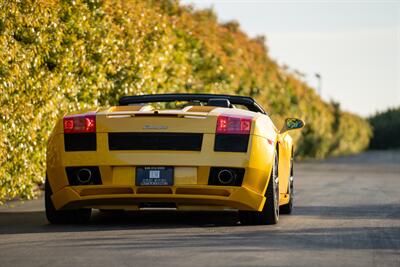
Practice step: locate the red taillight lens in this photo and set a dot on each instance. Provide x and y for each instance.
(81, 123)
(233, 125)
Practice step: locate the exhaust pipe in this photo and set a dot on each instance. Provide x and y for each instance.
(84, 175)
(226, 176)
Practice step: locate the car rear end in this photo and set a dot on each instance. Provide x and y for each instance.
(134, 157)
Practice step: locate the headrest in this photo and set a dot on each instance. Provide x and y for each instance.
(219, 102)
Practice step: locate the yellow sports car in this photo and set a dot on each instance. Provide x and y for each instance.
(172, 151)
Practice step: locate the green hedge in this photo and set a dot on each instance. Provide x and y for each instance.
(386, 129)
(60, 56)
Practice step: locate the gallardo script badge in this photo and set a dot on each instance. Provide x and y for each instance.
(155, 127)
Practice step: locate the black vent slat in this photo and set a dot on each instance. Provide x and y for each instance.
(231, 142)
(155, 141)
(80, 142)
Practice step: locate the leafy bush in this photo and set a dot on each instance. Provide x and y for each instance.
(386, 129)
(58, 56)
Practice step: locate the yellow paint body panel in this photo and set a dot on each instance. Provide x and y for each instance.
(191, 168)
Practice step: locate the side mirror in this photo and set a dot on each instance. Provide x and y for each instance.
(292, 124)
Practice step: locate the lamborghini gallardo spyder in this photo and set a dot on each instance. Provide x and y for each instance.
(187, 152)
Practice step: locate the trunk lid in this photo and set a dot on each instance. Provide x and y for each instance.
(142, 119)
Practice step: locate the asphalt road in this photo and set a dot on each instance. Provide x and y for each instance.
(347, 214)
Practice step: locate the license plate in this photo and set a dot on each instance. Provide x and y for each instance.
(154, 175)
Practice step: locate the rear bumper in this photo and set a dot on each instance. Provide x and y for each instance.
(196, 197)
(191, 189)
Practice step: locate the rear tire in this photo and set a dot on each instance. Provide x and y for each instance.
(270, 212)
(288, 208)
(54, 216)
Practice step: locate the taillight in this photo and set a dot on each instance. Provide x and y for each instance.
(233, 125)
(81, 123)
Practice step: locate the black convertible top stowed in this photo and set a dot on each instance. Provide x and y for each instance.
(246, 101)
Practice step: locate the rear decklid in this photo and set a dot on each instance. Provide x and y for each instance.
(145, 119)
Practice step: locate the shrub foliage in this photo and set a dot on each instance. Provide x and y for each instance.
(58, 56)
(386, 129)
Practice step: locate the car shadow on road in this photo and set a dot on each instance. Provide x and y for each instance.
(35, 222)
(14, 222)
(155, 231)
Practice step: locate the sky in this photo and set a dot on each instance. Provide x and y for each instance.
(353, 45)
